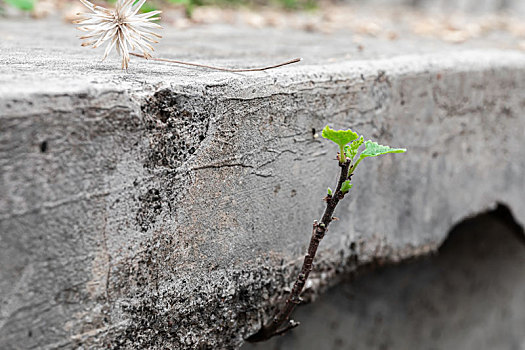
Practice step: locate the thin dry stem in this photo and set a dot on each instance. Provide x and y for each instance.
(295, 60)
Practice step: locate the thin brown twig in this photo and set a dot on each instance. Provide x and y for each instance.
(295, 60)
(275, 326)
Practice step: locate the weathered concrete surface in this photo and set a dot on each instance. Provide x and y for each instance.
(471, 296)
(168, 207)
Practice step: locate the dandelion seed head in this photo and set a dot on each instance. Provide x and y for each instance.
(122, 28)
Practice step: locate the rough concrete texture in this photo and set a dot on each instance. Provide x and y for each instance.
(168, 207)
(471, 296)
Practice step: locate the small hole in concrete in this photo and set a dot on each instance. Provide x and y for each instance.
(43, 146)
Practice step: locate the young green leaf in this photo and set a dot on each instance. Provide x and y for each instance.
(341, 137)
(351, 150)
(373, 149)
(329, 191)
(346, 186)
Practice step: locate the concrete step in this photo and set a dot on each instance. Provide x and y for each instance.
(170, 207)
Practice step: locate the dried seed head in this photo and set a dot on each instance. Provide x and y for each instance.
(123, 28)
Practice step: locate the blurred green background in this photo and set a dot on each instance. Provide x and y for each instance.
(189, 5)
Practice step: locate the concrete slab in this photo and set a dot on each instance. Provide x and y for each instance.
(168, 207)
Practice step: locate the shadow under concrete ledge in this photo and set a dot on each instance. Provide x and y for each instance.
(471, 295)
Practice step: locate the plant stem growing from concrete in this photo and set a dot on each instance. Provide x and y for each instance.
(277, 325)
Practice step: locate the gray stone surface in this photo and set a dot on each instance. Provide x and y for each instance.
(168, 207)
(470, 296)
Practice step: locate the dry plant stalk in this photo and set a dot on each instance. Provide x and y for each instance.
(124, 29)
(295, 60)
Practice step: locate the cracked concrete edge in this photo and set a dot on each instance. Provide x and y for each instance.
(253, 85)
(116, 234)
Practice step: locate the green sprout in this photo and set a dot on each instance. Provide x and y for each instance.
(341, 137)
(351, 150)
(346, 186)
(349, 143)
